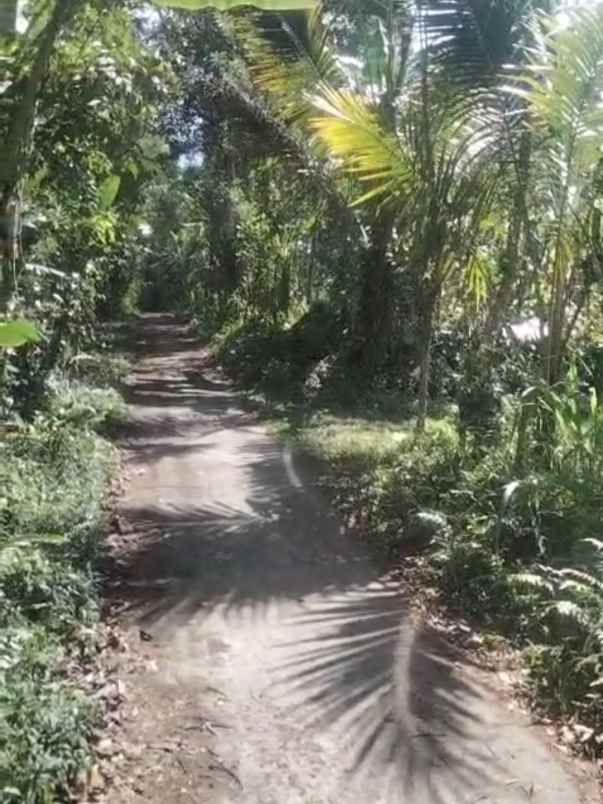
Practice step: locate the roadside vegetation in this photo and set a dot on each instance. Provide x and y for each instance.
(83, 155)
(398, 216)
(386, 219)
(54, 479)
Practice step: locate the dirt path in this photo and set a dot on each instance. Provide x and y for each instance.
(280, 669)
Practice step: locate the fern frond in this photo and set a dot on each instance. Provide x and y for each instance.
(529, 580)
(569, 610)
(585, 579)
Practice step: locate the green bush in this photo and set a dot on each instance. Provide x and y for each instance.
(75, 402)
(279, 357)
(45, 591)
(54, 477)
(99, 369)
(46, 723)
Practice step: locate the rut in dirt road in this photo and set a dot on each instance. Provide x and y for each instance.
(284, 670)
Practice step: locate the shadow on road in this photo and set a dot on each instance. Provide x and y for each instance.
(222, 526)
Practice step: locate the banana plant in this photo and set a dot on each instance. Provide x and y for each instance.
(17, 333)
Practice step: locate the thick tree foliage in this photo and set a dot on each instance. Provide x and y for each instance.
(400, 196)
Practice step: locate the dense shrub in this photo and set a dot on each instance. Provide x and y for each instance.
(53, 475)
(275, 357)
(46, 722)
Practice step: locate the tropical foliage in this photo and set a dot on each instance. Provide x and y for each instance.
(387, 213)
(453, 150)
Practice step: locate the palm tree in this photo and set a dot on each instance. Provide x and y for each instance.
(416, 128)
(479, 46)
(562, 88)
(411, 140)
(428, 168)
(290, 63)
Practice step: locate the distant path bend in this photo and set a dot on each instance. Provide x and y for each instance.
(279, 668)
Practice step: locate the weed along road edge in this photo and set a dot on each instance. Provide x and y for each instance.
(275, 666)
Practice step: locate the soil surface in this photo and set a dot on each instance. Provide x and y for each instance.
(274, 663)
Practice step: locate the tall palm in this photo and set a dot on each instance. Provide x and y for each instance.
(562, 88)
(478, 45)
(432, 172)
(416, 146)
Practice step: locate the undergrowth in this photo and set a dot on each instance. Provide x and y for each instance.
(54, 473)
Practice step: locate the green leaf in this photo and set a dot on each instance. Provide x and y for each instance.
(353, 134)
(17, 333)
(227, 5)
(107, 192)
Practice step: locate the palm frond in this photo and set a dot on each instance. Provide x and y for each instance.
(478, 277)
(571, 611)
(288, 58)
(562, 86)
(584, 579)
(472, 40)
(259, 121)
(354, 136)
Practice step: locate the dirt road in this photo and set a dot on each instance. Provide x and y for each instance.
(279, 668)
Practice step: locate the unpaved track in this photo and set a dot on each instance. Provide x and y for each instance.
(282, 670)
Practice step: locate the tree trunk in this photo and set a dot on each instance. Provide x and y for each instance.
(373, 323)
(512, 255)
(425, 332)
(554, 343)
(10, 241)
(230, 262)
(311, 270)
(15, 148)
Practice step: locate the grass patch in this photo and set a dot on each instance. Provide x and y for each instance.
(355, 442)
